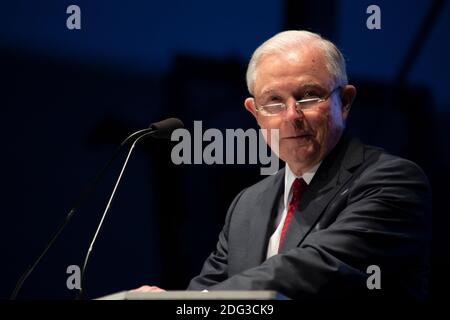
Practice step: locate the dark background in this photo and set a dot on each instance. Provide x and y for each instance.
(69, 97)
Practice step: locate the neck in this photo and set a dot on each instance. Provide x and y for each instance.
(299, 169)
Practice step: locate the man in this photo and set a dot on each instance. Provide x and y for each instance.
(338, 208)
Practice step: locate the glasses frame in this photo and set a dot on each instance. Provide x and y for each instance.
(298, 104)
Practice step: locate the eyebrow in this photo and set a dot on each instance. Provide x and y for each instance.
(269, 92)
(302, 87)
(311, 85)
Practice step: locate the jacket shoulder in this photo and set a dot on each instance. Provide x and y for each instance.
(379, 161)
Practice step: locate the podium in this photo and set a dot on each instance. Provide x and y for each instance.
(196, 295)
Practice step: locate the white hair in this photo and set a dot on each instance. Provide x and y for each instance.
(298, 39)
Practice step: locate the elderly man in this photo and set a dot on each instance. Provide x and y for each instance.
(339, 210)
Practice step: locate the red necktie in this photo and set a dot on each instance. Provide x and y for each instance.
(297, 188)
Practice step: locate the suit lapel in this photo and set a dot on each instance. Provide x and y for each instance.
(261, 225)
(332, 176)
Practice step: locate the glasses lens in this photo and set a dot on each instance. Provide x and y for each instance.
(308, 103)
(272, 109)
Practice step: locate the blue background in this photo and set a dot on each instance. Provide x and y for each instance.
(68, 97)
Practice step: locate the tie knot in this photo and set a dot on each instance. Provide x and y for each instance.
(297, 188)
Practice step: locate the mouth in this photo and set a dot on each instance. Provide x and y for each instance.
(299, 136)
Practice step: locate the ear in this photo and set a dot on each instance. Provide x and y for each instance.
(347, 97)
(250, 106)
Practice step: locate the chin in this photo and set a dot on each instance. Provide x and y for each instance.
(301, 158)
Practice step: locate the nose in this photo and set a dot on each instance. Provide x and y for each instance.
(291, 112)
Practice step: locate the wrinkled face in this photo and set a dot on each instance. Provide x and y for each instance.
(305, 137)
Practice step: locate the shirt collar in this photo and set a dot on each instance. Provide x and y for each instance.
(289, 178)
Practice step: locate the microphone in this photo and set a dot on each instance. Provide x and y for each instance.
(162, 129)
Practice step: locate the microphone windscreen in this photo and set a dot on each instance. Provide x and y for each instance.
(163, 129)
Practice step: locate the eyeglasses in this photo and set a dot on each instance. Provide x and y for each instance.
(274, 109)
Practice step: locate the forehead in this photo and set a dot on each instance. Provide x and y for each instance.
(279, 71)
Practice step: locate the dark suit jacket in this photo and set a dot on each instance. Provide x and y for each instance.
(363, 207)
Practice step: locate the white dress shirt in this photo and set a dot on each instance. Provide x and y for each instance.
(289, 177)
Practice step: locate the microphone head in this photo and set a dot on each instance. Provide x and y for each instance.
(163, 129)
